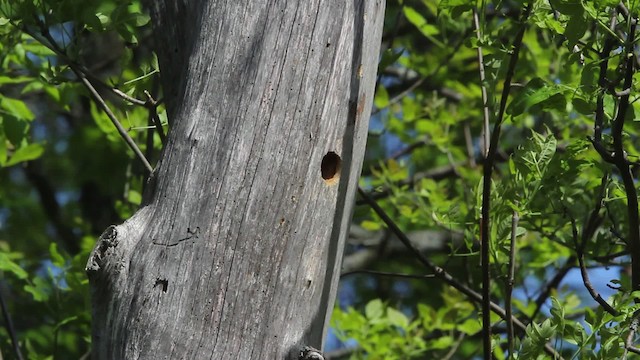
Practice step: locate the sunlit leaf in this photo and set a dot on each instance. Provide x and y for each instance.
(25, 153)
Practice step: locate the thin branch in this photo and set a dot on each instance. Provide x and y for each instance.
(515, 217)
(633, 327)
(153, 113)
(455, 347)
(385, 273)
(468, 141)
(149, 143)
(408, 149)
(100, 101)
(602, 82)
(10, 329)
(485, 105)
(585, 275)
(588, 231)
(116, 90)
(486, 187)
(441, 273)
(609, 257)
(633, 349)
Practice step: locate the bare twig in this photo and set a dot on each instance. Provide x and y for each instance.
(633, 349)
(10, 329)
(585, 275)
(602, 83)
(486, 187)
(609, 257)
(468, 141)
(589, 229)
(455, 347)
(153, 114)
(116, 91)
(628, 344)
(385, 273)
(408, 149)
(121, 130)
(485, 105)
(441, 273)
(515, 217)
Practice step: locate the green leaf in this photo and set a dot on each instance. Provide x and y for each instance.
(6, 264)
(135, 197)
(583, 106)
(65, 321)
(420, 22)
(576, 28)
(457, 6)
(56, 258)
(546, 330)
(397, 318)
(13, 80)
(26, 153)
(15, 129)
(102, 120)
(40, 289)
(371, 225)
(589, 76)
(440, 343)
(16, 108)
(567, 7)
(470, 326)
(96, 22)
(575, 333)
(381, 99)
(536, 92)
(374, 309)
(389, 57)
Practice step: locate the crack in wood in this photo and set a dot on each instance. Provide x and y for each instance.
(191, 234)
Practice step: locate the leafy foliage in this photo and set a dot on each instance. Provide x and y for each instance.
(66, 172)
(553, 184)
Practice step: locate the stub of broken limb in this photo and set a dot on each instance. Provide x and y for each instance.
(310, 353)
(108, 240)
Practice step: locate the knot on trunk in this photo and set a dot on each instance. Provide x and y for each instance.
(108, 239)
(310, 353)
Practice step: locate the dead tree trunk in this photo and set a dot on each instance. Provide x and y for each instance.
(235, 253)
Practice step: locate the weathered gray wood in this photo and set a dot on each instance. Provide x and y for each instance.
(236, 251)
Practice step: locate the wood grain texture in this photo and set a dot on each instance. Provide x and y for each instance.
(236, 251)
